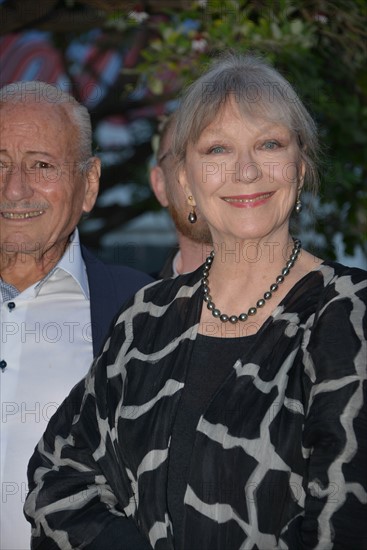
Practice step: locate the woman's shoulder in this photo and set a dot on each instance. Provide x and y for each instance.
(339, 283)
(345, 269)
(327, 283)
(157, 295)
(334, 271)
(171, 285)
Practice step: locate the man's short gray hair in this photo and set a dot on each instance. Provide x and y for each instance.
(42, 92)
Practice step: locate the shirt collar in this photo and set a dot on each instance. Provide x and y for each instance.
(72, 263)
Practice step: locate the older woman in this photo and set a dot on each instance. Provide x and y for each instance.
(226, 410)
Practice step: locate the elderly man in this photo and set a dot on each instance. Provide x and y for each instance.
(56, 299)
(192, 237)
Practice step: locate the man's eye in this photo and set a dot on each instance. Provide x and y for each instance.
(42, 165)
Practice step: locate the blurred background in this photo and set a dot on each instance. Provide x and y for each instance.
(128, 61)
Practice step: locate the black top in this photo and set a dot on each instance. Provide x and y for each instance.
(211, 361)
(281, 445)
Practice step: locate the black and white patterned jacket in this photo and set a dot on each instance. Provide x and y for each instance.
(281, 463)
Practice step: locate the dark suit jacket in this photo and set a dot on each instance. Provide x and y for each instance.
(110, 286)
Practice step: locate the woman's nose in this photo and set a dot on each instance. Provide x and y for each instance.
(247, 169)
(250, 171)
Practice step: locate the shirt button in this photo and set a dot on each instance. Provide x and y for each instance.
(11, 305)
(3, 365)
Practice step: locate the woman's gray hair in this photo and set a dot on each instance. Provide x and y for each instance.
(258, 90)
(42, 92)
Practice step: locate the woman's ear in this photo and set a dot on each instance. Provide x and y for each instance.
(301, 174)
(182, 180)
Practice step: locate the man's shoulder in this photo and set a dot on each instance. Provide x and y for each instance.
(123, 272)
(119, 274)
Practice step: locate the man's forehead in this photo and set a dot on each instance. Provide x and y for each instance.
(19, 126)
(32, 112)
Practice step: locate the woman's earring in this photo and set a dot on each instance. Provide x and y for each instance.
(192, 217)
(298, 207)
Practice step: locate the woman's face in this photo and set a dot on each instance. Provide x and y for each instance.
(243, 174)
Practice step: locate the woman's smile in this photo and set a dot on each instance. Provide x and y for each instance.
(248, 201)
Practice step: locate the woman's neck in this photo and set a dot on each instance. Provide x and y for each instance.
(236, 286)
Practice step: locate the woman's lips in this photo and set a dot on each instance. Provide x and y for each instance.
(248, 201)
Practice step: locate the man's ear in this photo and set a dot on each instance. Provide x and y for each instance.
(158, 184)
(93, 173)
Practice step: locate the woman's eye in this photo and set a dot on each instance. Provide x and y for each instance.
(217, 149)
(271, 144)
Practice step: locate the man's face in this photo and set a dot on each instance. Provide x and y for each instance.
(42, 190)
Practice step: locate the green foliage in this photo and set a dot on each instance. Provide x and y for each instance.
(321, 48)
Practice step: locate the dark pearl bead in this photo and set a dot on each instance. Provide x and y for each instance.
(260, 303)
(11, 305)
(3, 365)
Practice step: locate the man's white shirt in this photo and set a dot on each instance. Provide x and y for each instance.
(46, 342)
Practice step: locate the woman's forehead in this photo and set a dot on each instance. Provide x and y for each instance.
(231, 114)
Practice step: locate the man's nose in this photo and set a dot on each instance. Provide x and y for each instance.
(16, 183)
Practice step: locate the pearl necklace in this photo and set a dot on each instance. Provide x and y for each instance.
(260, 303)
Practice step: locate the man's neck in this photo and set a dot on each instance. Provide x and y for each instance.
(191, 254)
(24, 270)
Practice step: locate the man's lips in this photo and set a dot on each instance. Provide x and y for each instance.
(248, 200)
(22, 215)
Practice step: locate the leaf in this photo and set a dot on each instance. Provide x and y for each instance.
(296, 26)
(155, 85)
